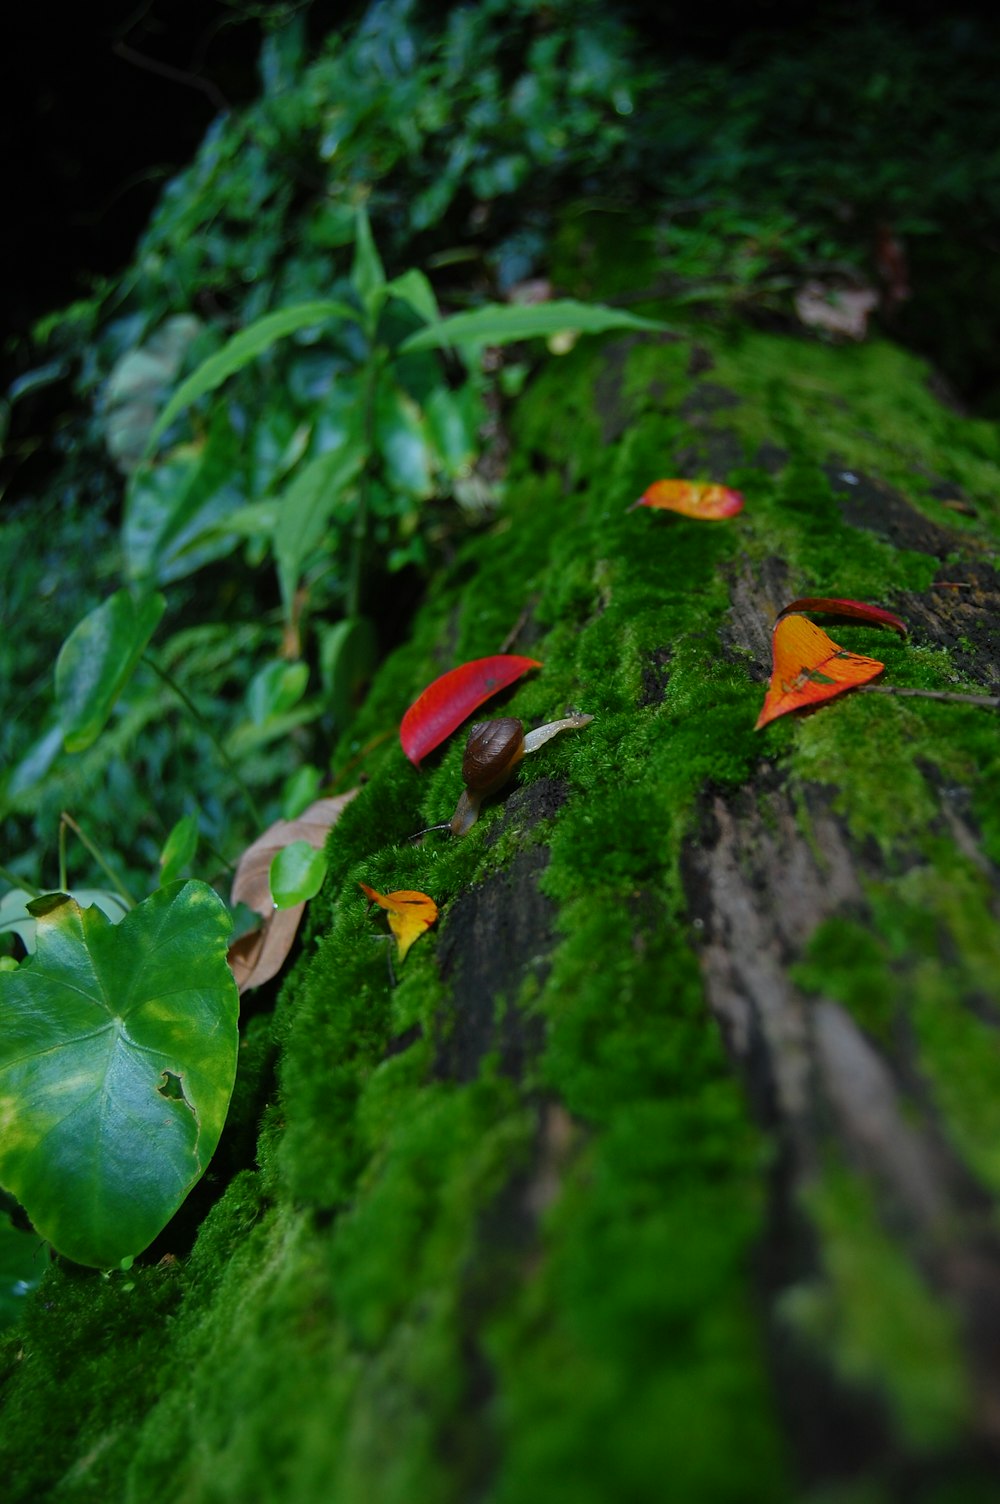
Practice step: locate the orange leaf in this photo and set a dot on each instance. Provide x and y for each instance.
(692, 498)
(809, 667)
(410, 913)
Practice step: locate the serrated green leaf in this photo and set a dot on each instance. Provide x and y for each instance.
(244, 347)
(117, 1059)
(296, 874)
(97, 660)
(178, 849)
(502, 323)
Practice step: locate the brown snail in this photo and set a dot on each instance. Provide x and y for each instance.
(492, 753)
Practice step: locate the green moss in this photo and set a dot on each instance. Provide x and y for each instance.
(846, 961)
(538, 1282)
(875, 1315)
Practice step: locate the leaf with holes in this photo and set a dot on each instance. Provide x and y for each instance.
(409, 912)
(117, 1059)
(691, 498)
(451, 699)
(809, 668)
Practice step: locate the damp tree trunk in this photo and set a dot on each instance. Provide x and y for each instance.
(667, 1167)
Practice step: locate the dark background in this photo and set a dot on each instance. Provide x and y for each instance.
(103, 102)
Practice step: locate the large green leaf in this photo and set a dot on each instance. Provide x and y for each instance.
(501, 323)
(97, 660)
(244, 347)
(117, 1059)
(16, 917)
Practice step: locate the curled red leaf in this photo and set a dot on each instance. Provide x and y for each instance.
(835, 606)
(445, 704)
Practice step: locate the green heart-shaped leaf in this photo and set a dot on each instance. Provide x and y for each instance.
(117, 1060)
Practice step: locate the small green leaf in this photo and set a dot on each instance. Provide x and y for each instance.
(367, 274)
(178, 849)
(92, 1028)
(413, 289)
(97, 660)
(404, 443)
(296, 874)
(347, 656)
(502, 323)
(299, 790)
(275, 689)
(307, 504)
(244, 347)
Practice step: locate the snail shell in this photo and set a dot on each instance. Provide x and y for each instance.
(492, 752)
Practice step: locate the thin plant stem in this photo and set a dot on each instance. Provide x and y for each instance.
(359, 533)
(206, 727)
(20, 882)
(988, 702)
(62, 856)
(99, 858)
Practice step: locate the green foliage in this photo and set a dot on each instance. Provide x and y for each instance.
(97, 660)
(116, 1066)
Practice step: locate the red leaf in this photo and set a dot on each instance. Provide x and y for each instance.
(809, 667)
(446, 703)
(692, 499)
(859, 610)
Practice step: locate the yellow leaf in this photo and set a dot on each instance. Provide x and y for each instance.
(409, 912)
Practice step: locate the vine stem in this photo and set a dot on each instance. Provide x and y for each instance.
(19, 882)
(66, 820)
(988, 702)
(204, 725)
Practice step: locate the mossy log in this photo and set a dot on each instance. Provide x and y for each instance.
(666, 1168)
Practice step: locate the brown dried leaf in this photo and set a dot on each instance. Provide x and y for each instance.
(250, 885)
(258, 956)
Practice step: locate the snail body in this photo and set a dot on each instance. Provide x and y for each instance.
(492, 753)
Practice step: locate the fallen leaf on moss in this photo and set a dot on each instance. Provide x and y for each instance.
(692, 499)
(836, 606)
(809, 668)
(410, 914)
(839, 311)
(256, 957)
(451, 699)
